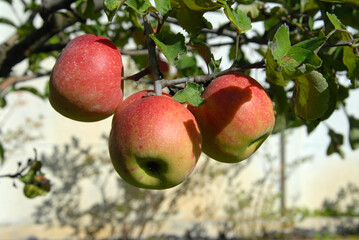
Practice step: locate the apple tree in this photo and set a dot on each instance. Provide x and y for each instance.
(307, 51)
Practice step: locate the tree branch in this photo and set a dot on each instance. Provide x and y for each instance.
(11, 55)
(13, 80)
(210, 77)
(152, 60)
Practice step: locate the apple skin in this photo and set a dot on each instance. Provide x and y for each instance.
(85, 83)
(235, 119)
(154, 142)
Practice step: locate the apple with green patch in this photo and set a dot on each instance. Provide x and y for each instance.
(155, 141)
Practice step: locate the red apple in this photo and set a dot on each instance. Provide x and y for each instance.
(85, 83)
(235, 119)
(154, 142)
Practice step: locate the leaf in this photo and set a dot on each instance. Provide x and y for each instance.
(312, 44)
(253, 9)
(352, 63)
(202, 49)
(285, 62)
(202, 5)
(170, 44)
(238, 18)
(353, 132)
(312, 96)
(191, 20)
(111, 7)
(140, 6)
(2, 153)
(281, 42)
(274, 70)
(163, 6)
(335, 21)
(89, 11)
(336, 141)
(190, 94)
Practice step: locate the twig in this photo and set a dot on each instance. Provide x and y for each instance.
(12, 80)
(139, 75)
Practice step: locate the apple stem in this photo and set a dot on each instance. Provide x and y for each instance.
(152, 59)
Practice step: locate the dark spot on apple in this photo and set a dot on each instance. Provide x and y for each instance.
(154, 167)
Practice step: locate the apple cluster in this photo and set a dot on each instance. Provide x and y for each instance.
(155, 142)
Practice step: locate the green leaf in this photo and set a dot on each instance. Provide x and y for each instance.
(2, 153)
(202, 5)
(312, 44)
(336, 141)
(312, 96)
(89, 11)
(353, 132)
(238, 18)
(190, 94)
(351, 61)
(285, 62)
(111, 7)
(140, 6)
(281, 42)
(203, 50)
(163, 6)
(191, 20)
(170, 44)
(274, 70)
(335, 21)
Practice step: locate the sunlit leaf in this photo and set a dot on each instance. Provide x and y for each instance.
(171, 45)
(190, 94)
(281, 43)
(140, 6)
(111, 7)
(202, 5)
(163, 6)
(335, 21)
(237, 17)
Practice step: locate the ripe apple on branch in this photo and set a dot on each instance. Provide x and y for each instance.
(155, 141)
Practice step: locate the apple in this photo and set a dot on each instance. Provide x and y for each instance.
(236, 118)
(85, 83)
(155, 141)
